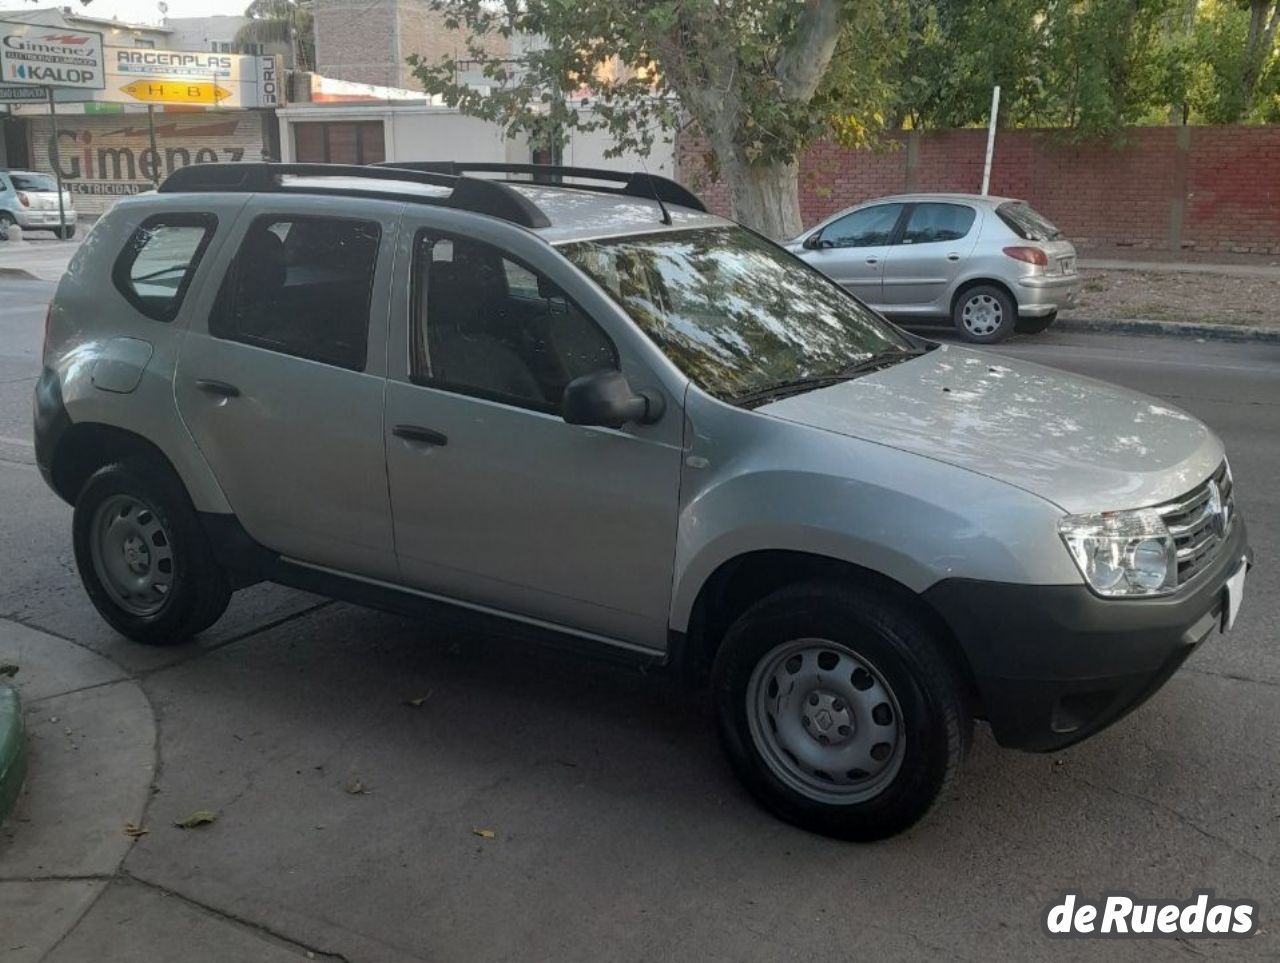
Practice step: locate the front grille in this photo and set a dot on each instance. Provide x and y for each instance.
(1199, 523)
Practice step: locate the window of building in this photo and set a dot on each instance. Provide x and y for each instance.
(302, 286)
(485, 325)
(157, 264)
(339, 142)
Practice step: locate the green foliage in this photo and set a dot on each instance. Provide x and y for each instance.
(277, 22)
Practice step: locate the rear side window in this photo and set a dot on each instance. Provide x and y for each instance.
(155, 268)
(1028, 224)
(938, 222)
(302, 286)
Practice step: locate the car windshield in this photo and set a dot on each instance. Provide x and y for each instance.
(737, 314)
(1028, 224)
(33, 182)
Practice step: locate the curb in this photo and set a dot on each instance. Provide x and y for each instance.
(17, 274)
(13, 749)
(1206, 332)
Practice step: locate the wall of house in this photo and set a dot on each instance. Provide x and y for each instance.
(1165, 188)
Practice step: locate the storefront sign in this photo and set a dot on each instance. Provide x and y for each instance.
(51, 56)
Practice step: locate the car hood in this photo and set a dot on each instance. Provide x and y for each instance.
(1083, 444)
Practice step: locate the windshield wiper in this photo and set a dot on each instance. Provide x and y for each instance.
(796, 386)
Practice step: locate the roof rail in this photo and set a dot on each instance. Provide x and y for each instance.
(467, 193)
(634, 183)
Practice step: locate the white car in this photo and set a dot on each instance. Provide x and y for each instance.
(30, 200)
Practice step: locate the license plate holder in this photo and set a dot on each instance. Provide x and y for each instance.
(1233, 594)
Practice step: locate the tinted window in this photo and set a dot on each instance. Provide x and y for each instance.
(865, 228)
(34, 182)
(735, 313)
(938, 222)
(157, 264)
(1028, 224)
(489, 326)
(302, 286)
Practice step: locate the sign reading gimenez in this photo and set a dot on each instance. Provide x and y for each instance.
(1121, 915)
(51, 56)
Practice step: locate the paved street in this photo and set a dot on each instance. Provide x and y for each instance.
(348, 811)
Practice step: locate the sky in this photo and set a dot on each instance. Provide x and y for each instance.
(136, 11)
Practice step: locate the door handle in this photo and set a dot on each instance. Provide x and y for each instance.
(212, 387)
(873, 260)
(953, 257)
(425, 436)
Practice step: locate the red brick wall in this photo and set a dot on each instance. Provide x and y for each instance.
(1203, 188)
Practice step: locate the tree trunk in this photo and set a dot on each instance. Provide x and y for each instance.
(765, 197)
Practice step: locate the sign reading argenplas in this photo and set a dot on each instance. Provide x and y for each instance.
(191, 77)
(46, 56)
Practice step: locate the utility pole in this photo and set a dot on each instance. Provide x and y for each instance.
(991, 139)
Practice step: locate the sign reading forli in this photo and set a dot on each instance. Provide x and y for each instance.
(51, 56)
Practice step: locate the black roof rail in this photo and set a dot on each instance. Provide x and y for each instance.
(466, 193)
(634, 183)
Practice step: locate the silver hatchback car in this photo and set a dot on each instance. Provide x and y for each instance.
(29, 199)
(991, 265)
(605, 417)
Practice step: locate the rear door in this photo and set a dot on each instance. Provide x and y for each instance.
(281, 376)
(852, 249)
(928, 255)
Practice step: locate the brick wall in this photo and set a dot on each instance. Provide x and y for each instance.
(367, 41)
(1201, 188)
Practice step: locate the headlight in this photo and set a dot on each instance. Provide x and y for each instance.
(1122, 553)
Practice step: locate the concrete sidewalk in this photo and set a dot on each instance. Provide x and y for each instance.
(1182, 267)
(92, 741)
(39, 258)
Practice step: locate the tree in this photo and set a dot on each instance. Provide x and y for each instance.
(1259, 48)
(282, 22)
(759, 79)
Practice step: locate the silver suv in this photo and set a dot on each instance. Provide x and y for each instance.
(989, 265)
(596, 414)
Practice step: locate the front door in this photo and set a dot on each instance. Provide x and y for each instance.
(928, 255)
(852, 250)
(282, 388)
(497, 501)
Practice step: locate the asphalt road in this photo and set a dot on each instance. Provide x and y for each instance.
(619, 833)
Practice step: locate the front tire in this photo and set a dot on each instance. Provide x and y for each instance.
(143, 556)
(840, 710)
(984, 314)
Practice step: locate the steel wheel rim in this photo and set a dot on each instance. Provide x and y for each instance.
(982, 314)
(809, 690)
(132, 555)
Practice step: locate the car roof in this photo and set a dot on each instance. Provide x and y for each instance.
(981, 200)
(575, 214)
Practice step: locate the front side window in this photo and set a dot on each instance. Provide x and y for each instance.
(869, 227)
(737, 314)
(158, 261)
(485, 325)
(302, 286)
(938, 222)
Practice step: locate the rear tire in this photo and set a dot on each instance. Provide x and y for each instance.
(984, 314)
(840, 710)
(6, 222)
(1035, 325)
(143, 555)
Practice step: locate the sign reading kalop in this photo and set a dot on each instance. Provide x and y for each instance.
(51, 56)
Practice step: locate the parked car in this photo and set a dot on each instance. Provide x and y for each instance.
(30, 200)
(990, 265)
(604, 417)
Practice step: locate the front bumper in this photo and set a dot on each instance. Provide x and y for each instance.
(1044, 294)
(1055, 663)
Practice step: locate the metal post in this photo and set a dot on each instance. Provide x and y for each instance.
(57, 164)
(991, 139)
(155, 154)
